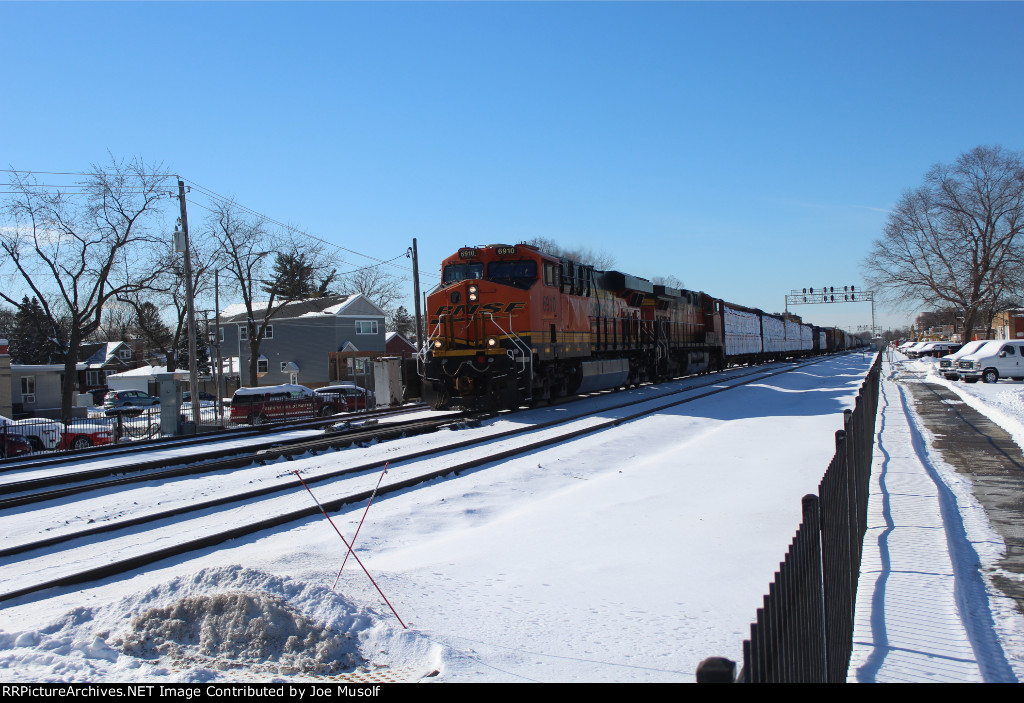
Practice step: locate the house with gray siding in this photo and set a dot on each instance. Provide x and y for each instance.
(301, 335)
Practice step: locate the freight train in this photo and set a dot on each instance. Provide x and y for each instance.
(511, 325)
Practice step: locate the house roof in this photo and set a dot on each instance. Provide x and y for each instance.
(394, 338)
(97, 354)
(328, 305)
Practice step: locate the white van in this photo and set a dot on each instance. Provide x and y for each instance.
(947, 364)
(997, 359)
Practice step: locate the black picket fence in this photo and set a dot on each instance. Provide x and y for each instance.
(804, 631)
(42, 435)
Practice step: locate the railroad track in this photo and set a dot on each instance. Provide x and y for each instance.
(128, 449)
(139, 539)
(52, 486)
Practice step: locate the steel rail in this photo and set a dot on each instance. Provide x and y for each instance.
(214, 539)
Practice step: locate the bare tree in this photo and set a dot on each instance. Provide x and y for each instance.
(669, 281)
(954, 241)
(600, 260)
(78, 248)
(248, 249)
(168, 292)
(380, 286)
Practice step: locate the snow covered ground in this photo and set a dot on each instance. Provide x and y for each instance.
(627, 555)
(927, 609)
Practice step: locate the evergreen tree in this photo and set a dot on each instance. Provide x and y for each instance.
(203, 365)
(34, 338)
(403, 323)
(6, 323)
(154, 332)
(297, 277)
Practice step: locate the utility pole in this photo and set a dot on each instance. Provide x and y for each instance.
(416, 294)
(220, 364)
(193, 373)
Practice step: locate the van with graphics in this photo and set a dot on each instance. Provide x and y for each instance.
(996, 359)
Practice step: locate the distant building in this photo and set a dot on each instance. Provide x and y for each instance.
(97, 359)
(300, 337)
(1009, 324)
(397, 345)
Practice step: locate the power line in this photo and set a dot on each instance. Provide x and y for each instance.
(217, 196)
(79, 189)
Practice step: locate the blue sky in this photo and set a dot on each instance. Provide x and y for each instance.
(746, 148)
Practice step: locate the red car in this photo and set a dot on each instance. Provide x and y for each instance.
(80, 435)
(347, 397)
(13, 445)
(256, 406)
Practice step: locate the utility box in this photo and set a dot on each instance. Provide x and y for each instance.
(387, 380)
(170, 401)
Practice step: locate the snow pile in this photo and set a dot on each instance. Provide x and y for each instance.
(256, 631)
(212, 625)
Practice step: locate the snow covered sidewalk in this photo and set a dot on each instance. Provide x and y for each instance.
(925, 612)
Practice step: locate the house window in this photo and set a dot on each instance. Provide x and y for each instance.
(94, 378)
(124, 354)
(28, 389)
(269, 333)
(366, 327)
(243, 333)
(262, 365)
(220, 332)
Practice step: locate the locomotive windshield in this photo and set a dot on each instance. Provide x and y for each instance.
(521, 274)
(462, 272)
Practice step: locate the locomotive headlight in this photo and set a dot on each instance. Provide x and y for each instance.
(473, 293)
(437, 344)
(492, 342)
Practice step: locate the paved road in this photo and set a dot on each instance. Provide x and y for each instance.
(977, 447)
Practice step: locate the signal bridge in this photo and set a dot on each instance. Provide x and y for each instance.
(833, 294)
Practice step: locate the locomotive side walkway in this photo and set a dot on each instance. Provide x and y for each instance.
(939, 598)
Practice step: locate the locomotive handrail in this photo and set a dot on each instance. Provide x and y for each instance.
(421, 357)
(526, 353)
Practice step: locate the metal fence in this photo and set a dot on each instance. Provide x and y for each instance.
(44, 435)
(128, 424)
(804, 631)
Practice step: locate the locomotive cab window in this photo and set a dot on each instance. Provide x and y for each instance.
(520, 274)
(462, 272)
(551, 274)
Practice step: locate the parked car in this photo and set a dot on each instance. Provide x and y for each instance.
(934, 349)
(947, 364)
(204, 397)
(13, 445)
(261, 404)
(994, 360)
(98, 394)
(348, 396)
(910, 347)
(41, 434)
(128, 403)
(81, 435)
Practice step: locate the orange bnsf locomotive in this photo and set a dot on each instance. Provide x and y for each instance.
(510, 325)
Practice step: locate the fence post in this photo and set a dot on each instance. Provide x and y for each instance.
(817, 643)
(716, 670)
